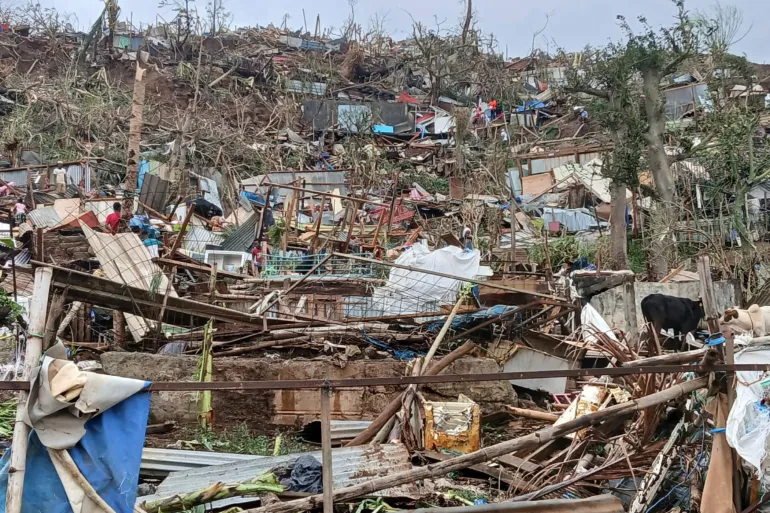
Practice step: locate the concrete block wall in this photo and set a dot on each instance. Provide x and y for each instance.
(292, 407)
(64, 248)
(727, 293)
(621, 306)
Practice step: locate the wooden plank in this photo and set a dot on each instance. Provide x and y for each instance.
(518, 463)
(537, 184)
(496, 473)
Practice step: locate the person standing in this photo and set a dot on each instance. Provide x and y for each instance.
(60, 178)
(21, 212)
(113, 220)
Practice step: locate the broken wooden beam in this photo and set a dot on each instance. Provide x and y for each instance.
(500, 474)
(461, 462)
(533, 414)
(668, 359)
(393, 407)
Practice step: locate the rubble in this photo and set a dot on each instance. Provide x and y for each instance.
(400, 255)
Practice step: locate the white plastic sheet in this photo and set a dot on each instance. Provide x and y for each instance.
(417, 292)
(590, 317)
(748, 425)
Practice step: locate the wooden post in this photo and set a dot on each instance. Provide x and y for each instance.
(213, 282)
(134, 140)
(351, 225)
(392, 206)
(179, 238)
(326, 450)
(707, 293)
(37, 313)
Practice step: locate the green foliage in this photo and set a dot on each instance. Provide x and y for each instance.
(637, 256)
(7, 419)
(275, 233)
(563, 249)
(240, 440)
(13, 308)
(432, 184)
(466, 496)
(372, 505)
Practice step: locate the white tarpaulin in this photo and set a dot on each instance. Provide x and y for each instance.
(748, 425)
(416, 292)
(589, 317)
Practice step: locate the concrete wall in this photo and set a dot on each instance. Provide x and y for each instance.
(612, 305)
(615, 304)
(291, 406)
(727, 293)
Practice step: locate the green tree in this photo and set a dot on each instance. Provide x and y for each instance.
(607, 75)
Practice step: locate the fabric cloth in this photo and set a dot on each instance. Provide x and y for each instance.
(108, 456)
(20, 218)
(306, 476)
(21, 208)
(61, 188)
(112, 222)
(748, 425)
(99, 420)
(63, 398)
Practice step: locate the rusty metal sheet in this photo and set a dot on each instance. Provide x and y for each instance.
(452, 426)
(351, 465)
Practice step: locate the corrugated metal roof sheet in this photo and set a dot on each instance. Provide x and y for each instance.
(162, 462)
(298, 86)
(316, 180)
(44, 217)
(196, 238)
(351, 465)
(242, 238)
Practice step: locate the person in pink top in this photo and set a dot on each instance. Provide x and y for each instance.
(21, 212)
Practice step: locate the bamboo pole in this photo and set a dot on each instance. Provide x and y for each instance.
(393, 407)
(668, 359)
(34, 351)
(533, 414)
(65, 460)
(466, 460)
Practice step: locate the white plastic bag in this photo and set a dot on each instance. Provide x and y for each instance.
(748, 425)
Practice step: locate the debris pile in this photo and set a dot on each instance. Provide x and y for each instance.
(415, 275)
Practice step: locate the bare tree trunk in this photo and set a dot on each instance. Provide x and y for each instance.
(660, 167)
(618, 237)
(134, 140)
(468, 18)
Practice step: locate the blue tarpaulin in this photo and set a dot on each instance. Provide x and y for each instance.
(109, 457)
(257, 197)
(144, 168)
(530, 105)
(467, 321)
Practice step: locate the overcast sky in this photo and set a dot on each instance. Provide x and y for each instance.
(572, 23)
